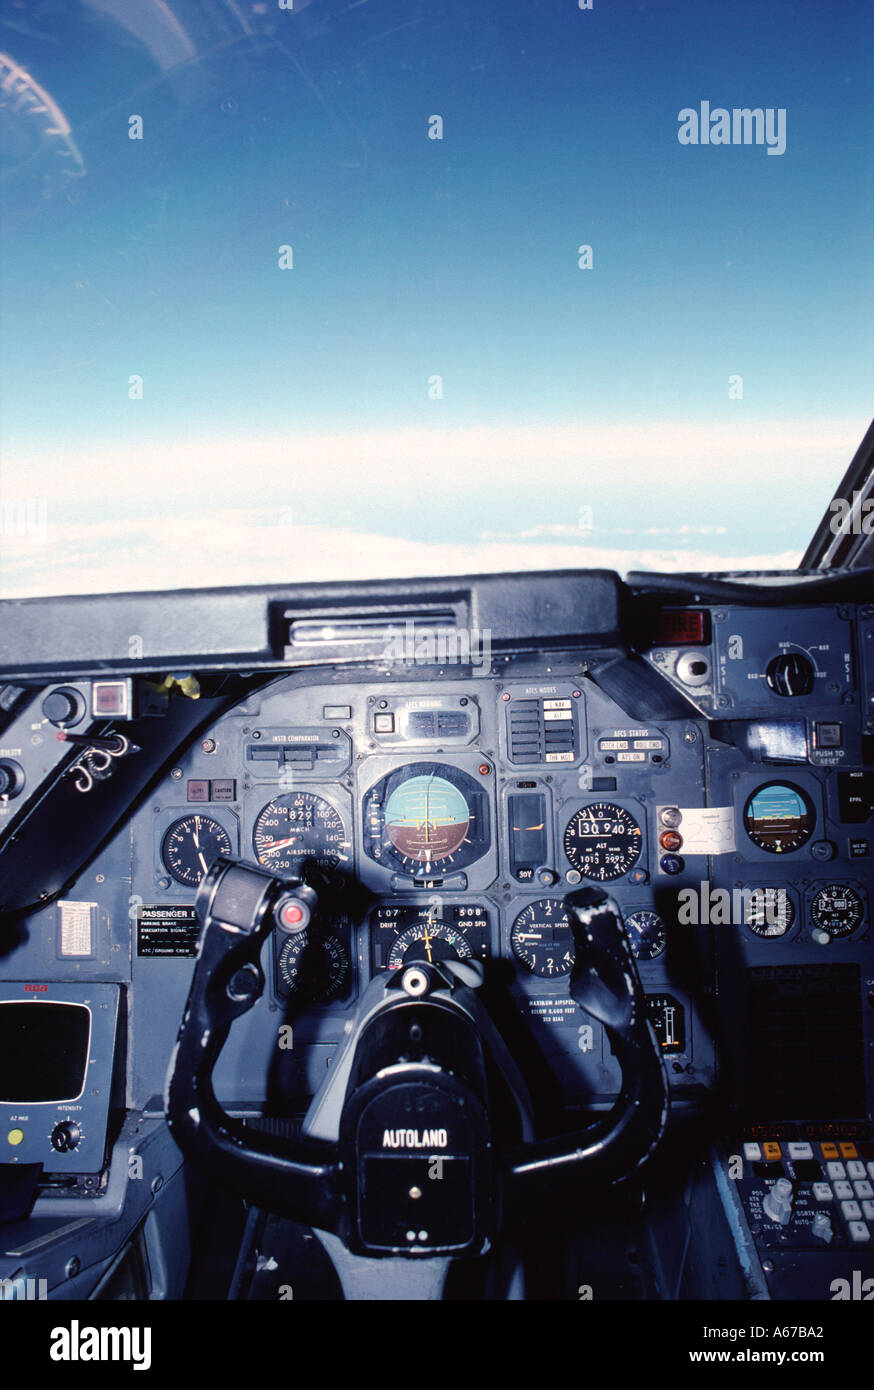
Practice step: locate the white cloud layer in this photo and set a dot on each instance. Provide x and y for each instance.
(661, 453)
(231, 548)
(259, 510)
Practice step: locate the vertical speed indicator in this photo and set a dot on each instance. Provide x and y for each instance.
(542, 938)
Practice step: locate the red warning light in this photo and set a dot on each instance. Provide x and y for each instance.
(680, 627)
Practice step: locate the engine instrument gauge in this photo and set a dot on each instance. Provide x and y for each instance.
(300, 833)
(190, 845)
(769, 911)
(401, 932)
(603, 841)
(542, 938)
(779, 818)
(646, 934)
(837, 909)
(312, 965)
(668, 1018)
(426, 819)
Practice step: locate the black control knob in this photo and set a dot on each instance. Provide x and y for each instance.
(790, 673)
(11, 777)
(66, 1136)
(63, 707)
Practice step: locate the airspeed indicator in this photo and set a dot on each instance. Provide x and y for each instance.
(299, 833)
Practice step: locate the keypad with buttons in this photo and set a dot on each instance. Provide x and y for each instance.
(829, 1200)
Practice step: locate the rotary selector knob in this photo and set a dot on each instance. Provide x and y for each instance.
(777, 1206)
(822, 1227)
(11, 777)
(63, 707)
(66, 1136)
(790, 673)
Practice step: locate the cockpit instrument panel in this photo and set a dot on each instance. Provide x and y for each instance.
(446, 817)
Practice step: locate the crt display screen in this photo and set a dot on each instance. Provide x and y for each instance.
(43, 1051)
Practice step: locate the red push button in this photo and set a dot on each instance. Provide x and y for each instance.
(291, 914)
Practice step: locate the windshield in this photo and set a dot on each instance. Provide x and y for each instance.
(333, 290)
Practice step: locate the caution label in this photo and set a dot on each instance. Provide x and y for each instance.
(549, 1009)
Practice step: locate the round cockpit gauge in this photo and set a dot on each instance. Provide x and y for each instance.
(779, 817)
(190, 845)
(542, 938)
(603, 841)
(426, 819)
(430, 941)
(837, 909)
(646, 934)
(300, 833)
(313, 966)
(403, 932)
(768, 911)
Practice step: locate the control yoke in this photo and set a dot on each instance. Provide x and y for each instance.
(416, 1070)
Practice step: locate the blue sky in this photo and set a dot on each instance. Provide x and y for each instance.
(585, 415)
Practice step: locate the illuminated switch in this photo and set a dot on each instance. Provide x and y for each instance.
(111, 698)
(15, 1137)
(863, 1189)
(856, 1168)
(800, 1151)
(752, 1153)
(852, 1211)
(772, 1151)
(822, 1192)
(849, 1151)
(384, 723)
(836, 1170)
(224, 789)
(830, 1151)
(198, 790)
(843, 1191)
(859, 1231)
(868, 1211)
